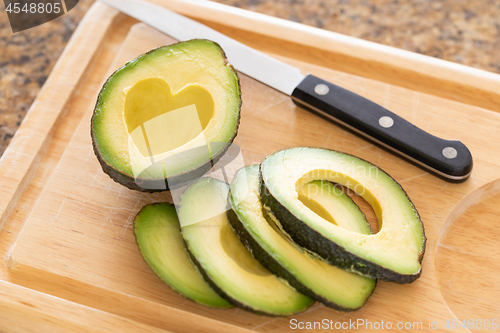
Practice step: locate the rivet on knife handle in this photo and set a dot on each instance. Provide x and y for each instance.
(449, 159)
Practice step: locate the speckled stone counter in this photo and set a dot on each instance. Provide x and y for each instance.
(463, 31)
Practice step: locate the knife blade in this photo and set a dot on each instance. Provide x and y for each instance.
(449, 159)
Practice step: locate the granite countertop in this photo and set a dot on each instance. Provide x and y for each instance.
(463, 31)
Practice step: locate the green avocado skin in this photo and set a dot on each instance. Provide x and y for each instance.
(221, 293)
(336, 255)
(274, 266)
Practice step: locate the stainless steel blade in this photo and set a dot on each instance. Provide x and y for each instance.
(261, 67)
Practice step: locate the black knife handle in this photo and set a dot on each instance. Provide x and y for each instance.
(448, 159)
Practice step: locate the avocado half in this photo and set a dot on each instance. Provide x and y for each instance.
(311, 276)
(158, 236)
(224, 261)
(165, 117)
(393, 254)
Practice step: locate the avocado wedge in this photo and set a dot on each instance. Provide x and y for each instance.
(311, 276)
(393, 254)
(224, 261)
(165, 117)
(158, 236)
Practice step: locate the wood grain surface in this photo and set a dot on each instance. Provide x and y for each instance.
(68, 231)
(24, 310)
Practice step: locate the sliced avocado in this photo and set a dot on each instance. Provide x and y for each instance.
(311, 276)
(168, 114)
(158, 235)
(393, 254)
(224, 261)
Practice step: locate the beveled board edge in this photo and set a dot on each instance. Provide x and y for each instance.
(34, 135)
(22, 155)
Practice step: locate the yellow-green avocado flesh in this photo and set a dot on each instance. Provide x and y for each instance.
(168, 114)
(393, 254)
(311, 276)
(224, 261)
(158, 236)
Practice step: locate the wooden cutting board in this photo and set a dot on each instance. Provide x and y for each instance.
(67, 241)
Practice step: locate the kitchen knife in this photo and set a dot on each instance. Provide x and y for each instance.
(448, 159)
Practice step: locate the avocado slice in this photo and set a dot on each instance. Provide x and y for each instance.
(224, 261)
(393, 254)
(158, 236)
(168, 114)
(311, 276)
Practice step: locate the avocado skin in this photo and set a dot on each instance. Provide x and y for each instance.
(221, 293)
(275, 267)
(334, 254)
(144, 184)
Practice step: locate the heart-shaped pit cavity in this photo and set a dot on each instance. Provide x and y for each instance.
(159, 121)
